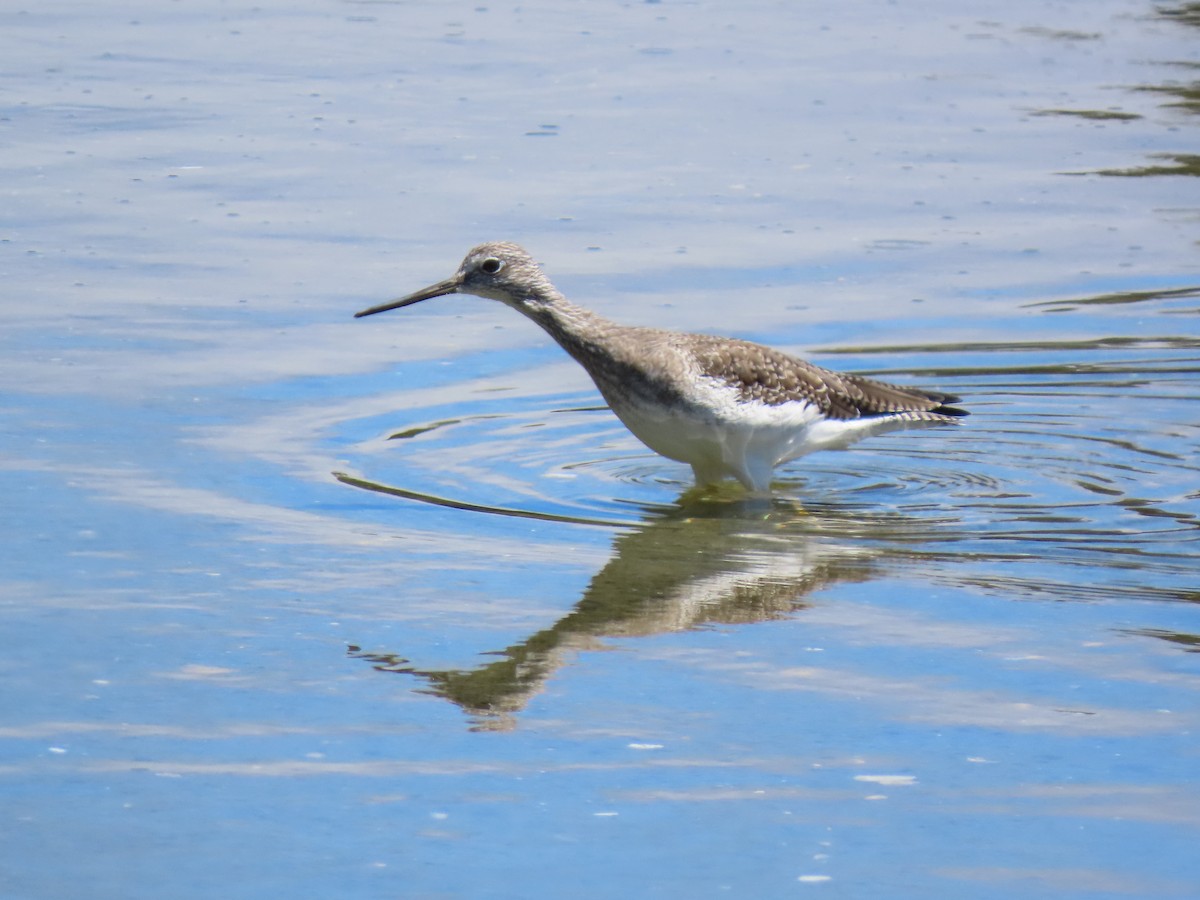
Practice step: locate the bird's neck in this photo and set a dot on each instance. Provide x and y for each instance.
(581, 332)
(628, 363)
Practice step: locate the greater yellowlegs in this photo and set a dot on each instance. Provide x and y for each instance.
(728, 408)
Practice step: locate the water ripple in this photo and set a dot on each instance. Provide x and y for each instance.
(1092, 469)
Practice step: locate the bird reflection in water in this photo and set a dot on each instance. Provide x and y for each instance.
(702, 564)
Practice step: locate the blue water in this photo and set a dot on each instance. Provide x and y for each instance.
(502, 652)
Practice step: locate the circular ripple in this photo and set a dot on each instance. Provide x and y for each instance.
(1070, 473)
(554, 456)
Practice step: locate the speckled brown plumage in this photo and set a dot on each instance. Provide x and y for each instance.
(773, 377)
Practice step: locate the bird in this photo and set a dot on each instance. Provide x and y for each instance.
(729, 408)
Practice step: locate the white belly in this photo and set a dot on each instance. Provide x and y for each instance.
(739, 440)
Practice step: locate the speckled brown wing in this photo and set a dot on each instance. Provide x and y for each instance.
(774, 378)
(878, 398)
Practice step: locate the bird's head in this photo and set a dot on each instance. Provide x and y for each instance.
(497, 270)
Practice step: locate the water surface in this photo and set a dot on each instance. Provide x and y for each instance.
(307, 606)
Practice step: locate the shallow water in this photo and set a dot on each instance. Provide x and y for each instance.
(301, 605)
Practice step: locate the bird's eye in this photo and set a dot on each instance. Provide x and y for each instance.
(491, 265)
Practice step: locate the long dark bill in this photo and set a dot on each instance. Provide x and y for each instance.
(449, 286)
